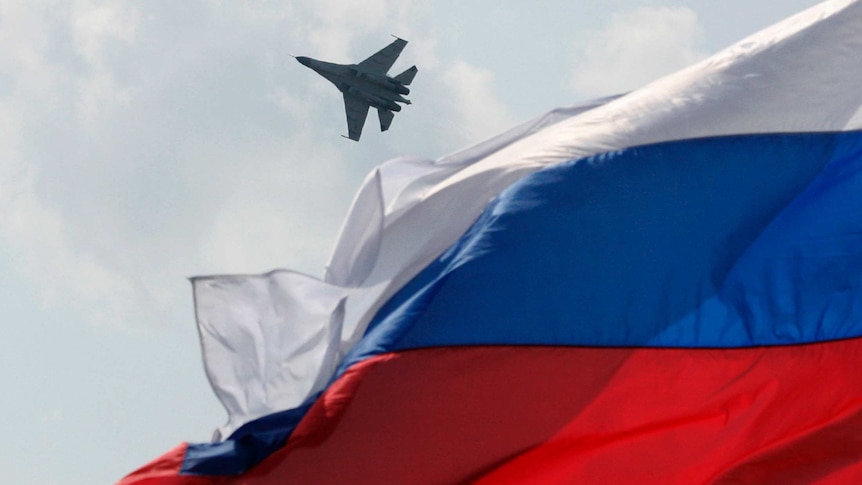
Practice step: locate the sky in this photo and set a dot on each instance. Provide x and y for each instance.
(142, 143)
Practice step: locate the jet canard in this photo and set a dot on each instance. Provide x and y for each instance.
(367, 85)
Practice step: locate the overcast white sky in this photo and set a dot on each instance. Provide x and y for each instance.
(145, 142)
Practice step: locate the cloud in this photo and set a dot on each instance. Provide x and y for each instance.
(280, 216)
(145, 143)
(36, 232)
(477, 112)
(134, 138)
(637, 47)
(95, 28)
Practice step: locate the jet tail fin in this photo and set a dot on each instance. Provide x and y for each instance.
(407, 76)
(385, 118)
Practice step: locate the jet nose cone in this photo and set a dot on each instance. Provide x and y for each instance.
(304, 61)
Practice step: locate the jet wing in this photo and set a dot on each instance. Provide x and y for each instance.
(357, 111)
(384, 58)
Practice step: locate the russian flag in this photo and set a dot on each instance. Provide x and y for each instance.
(659, 287)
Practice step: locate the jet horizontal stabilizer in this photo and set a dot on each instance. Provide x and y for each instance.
(385, 118)
(407, 76)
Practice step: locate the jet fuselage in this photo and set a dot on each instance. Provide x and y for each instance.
(378, 90)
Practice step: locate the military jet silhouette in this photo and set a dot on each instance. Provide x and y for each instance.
(366, 84)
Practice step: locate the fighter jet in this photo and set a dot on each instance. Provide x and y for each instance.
(366, 84)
